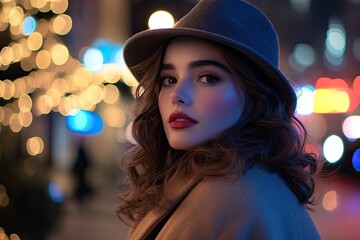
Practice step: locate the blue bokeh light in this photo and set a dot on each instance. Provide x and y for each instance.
(29, 25)
(93, 59)
(101, 52)
(55, 192)
(84, 122)
(356, 160)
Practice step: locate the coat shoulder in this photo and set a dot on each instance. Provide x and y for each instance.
(257, 205)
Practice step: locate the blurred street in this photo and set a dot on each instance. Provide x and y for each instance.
(93, 220)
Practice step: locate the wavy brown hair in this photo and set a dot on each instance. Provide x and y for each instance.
(267, 134)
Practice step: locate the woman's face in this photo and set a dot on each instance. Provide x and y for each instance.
(198, 98)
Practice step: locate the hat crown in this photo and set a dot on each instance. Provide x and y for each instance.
(237, 20)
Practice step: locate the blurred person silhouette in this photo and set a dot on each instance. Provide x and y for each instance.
(220, 153)
(83, 189)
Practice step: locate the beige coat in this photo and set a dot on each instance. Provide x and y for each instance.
(259, 205)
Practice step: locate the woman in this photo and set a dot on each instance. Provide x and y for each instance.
(220, 154)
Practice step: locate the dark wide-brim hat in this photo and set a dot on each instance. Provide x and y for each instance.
(233, 23)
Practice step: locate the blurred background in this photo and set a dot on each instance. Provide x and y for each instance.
(66, 95)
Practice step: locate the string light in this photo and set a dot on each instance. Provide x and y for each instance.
(39, 50)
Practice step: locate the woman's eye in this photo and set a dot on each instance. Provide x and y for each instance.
(166, 81)
(209, 79)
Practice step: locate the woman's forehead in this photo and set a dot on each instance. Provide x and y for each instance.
(190, 47)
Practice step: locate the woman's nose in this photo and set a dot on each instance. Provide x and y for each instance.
(181, 94)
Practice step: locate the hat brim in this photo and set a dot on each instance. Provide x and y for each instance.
(142, 45)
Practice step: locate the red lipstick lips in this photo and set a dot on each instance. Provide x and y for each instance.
(180, 120)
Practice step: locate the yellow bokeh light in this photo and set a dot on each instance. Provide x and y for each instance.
(4, 67)
(16, 30)
(1, 114)
(25, 103)
(111, 73)
(27, 5)
(85, 103)
(25, 48)
(7, 89)
(38, 3)
(43, 104)
(27, 64)
(59, 6)
(68, 105)
(4, 201)
(25, 118)
(128, 78)
(94, 94)
(46, 7)
(18, 52)
(331, 101)
(331, 201)
(14, 236)
(15, 125)
(59, 54)
(82, 77)
(114, 117)
(61, 24)
(6, 55)
(16, 16)
(20, 87)
(6, 117)
(54, 95)
(35, 41)
(111, 93)
(161, 19)
(34, 146)
(43, 59)
(59, 85)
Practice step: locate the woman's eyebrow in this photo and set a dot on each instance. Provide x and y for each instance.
(195, 64)
(167, 66)
(201, 63)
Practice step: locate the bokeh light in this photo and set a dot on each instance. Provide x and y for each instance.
(356, 85)
(161, 19)
(93, 59)
(59, 54)
(305, 102)
(114, 117)
(59, 6)
(331, 101)
(34, 146)
(111, 94)
(29, 25)
(301, 6)
(84, 122)
(35, 41)
(16, 16)
(4, 199)
(356, 160)
(351, 127)
(61, 24)
(302, 57)
(335, 43)
(333, 148)
(331, 201)
(43, 59)
(55, 192)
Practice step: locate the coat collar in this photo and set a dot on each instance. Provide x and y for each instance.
(176, 189)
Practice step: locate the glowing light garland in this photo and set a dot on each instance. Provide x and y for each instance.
(57, 81)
